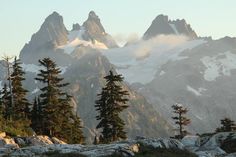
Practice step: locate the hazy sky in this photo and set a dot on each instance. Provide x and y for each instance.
(21, 18)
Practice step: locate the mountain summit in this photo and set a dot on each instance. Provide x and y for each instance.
(54, 37)
(52, 30)
(51, 34)
(96, 31)
(162, 25)
(93, 25)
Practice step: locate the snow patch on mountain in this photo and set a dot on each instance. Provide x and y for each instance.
(35, 68)
(174, 28)
(76, 39)
(218, 65)
(197, 92)
(162, 73)
(1, 85)
(36, 90)
(31, 68)
(140, 62)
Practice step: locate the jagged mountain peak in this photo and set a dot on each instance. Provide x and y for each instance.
(76, 27)
(96, 31)
(51, 34)
(53, 15)
(161, 17)
(92, 15)
(93, 25)
(163, 25)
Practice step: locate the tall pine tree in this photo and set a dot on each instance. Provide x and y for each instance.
(55, 104)
(21, 104)
(112, 101)
(6, 103)
(180, 119)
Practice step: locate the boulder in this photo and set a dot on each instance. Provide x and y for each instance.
(121, 148)
(2, 135)
(8, 143)
(57, 141)
(161, 142)
(20, 141)
(39, 140)
(191, 141)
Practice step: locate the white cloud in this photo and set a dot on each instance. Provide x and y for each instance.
(122, 39)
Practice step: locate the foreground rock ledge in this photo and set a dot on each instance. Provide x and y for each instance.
(209, 146)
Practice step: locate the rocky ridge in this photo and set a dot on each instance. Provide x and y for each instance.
(161, 25)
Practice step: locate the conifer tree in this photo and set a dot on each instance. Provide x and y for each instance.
(2, 111)
(2, 104)
(55, 104)
(21, 104)
(6, 103)
(36, 116)
(7, 64)
(180, 119)
(50, 95)
(112, 101)
(227, 125)
(74, 133)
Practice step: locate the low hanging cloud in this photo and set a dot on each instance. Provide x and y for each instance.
(161, 42)
(122, 39)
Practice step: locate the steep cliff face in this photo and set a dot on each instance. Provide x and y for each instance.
(51, 34)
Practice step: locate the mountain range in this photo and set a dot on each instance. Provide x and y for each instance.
(169, 64)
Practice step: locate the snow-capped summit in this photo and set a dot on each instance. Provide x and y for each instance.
(162, 25)
(53, 37)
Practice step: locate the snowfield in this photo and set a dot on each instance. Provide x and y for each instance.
(1, 86)
(219, 65)
(35, 68)
(140, 62)
(76, 39)
(197, 92)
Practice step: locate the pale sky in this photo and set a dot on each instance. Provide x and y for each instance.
(21, 18)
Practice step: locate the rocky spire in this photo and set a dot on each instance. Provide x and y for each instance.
(53, 29)
(162, 25)
(96, 31)
(76, 27)
(93, 25)
(51, 34)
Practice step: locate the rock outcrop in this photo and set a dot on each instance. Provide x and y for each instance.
(44, 146)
